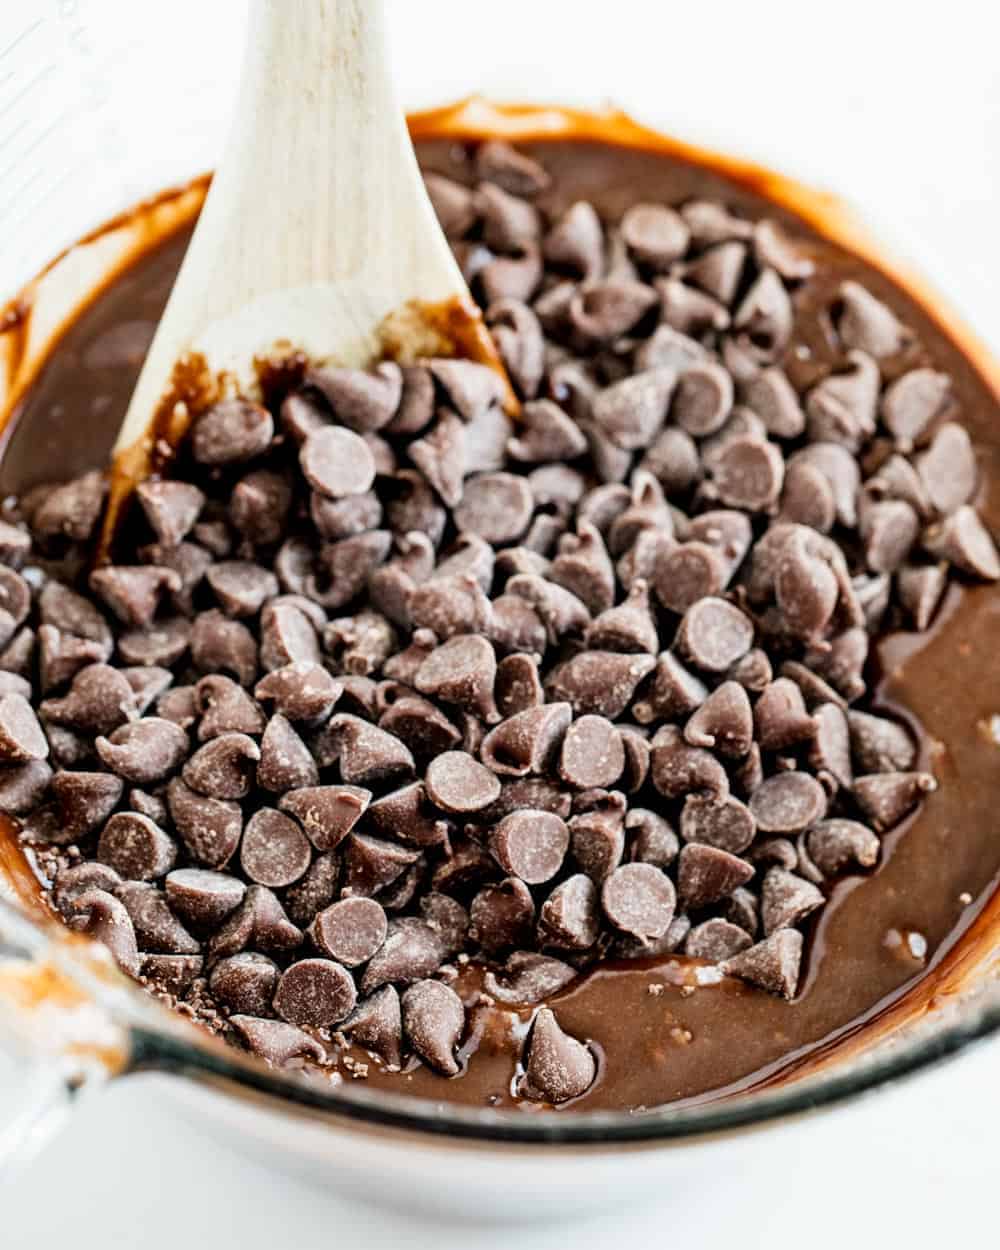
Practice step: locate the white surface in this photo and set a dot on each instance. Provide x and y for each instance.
(898, 105)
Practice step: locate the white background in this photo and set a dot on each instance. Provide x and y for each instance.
(896, 104)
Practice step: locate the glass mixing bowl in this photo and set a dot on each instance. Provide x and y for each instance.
(101, 105)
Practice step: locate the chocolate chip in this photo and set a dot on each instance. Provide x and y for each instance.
(171, 508)
(528, 979)
(706, 874)
(143, 751)
(373, 863)
(21, 736)
(411, 951)
(23, 786)
(526, 742)
(897, 478)
(71, 510)
(99, 701)
(209, 828)
(599, 682)
(748, 473)
(725, 823)
(866, 323)
(788, 803)
(274, 851)
(451, 605)
(518, 686)
(157, 929)
(350, 931)
(629, 627)
(545, 433)
(780, 717)
(723, 722)
(911, 402)
(60, 655)
(469, 388)
(786, 899)
(326, 813)
(245, 983)
(461, 671)
(136, 847)
(841, 408)
(259, 922)
(714, 634)
(716, 940)
(275, 1041)
(639, 899)
(363, 401)
(241, 587)
(225, 708)
(752, 671)
(773, 964)
(806, 589)
(453, 204)
(592, 753)
(885, 798)
(502, 916)
(405, 814)
(433, 1020)
(655, 235)
(568, 918)
(833, 845)
(964, 542)
(315, 992)
(224, 768)
(71, 613)
(557, 1066)
(597, 840)
(774, 249)
(457, 783)
(632, 411)
(583, 567)
(678, 769)
(201, 898)
(880, 745)
(258, 506)
(70, 882)
(103, 917)
(231, 431)
(285, 761)
(314, 891)
(830, 751)
(162, 643)
(68, 749)
(718, 270)
(889, 530)
(368, 755)
(530, 845)
(221, 645)
(575, 241)
(653, 841)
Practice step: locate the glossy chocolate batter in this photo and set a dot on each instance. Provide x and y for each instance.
(663, 1035)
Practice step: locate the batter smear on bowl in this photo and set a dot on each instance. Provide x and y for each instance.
(552, 755)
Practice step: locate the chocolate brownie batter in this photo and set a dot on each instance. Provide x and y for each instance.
(667, 1027)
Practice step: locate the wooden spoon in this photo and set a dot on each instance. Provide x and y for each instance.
(317, 236)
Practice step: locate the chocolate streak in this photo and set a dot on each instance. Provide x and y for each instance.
(662, 1037)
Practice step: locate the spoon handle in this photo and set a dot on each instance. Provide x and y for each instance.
(317, 224)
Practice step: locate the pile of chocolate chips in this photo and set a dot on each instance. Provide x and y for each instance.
(382, 680)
